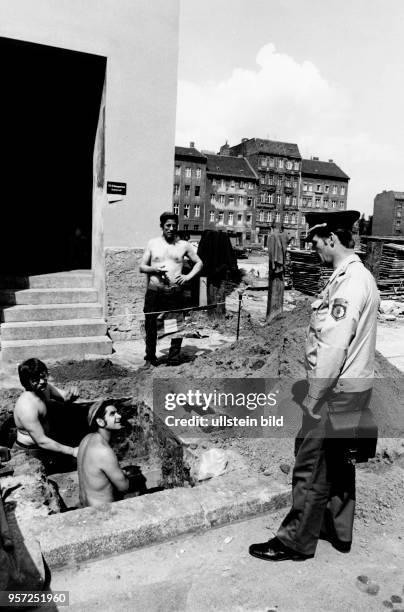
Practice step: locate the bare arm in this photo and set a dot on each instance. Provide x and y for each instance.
(32, 425)
(71, 394)
(190, 253)
(110, 466)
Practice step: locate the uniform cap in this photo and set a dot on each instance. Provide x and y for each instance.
(341, 219)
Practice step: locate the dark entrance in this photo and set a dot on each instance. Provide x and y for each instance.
(49, 110)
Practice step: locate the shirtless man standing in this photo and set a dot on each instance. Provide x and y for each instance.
(101, 480)
(30, 412)
(162, 262)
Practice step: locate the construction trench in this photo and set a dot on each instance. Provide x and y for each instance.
(258, 473)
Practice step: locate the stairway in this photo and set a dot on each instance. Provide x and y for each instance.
(51, 316)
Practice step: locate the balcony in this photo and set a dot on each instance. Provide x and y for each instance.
(288, 190)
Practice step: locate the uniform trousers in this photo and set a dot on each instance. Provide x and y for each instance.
(323, 484)
(159, 299)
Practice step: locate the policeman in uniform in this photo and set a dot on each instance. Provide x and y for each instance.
(340, 348)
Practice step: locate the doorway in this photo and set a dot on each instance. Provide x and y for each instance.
(49, 111)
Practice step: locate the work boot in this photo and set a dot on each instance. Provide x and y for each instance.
(174, 352)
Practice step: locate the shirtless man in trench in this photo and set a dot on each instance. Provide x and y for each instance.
(30, 412)
(162, 261)
(101, 480)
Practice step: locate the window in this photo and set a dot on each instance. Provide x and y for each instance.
(232, 184)
(187, 190)
(262, 180)
(296, 166)
(294, 201)
(212, 216)
(341, 205)
(289, 165)
(303, 220)
(286, 218)
(240, 200)
(198, 173)
(176, 189)
(398, 214)
(239, 219)
(221, 199)
(310, 186)
(188, 172)
(342, 190)
(294, 183)
(293, 220)
(264, 162)
(212, 198)
(334, 190)
(213, 182)
(271, 162)
(176, 209)
(262, 196)
(177, 170)
(231, 216)
(261, 215)
(231, 200)
(277, 217)
(248, 218)
(249, 202)
(222, 184)
(304, 186)
(326, 189)
(250, 185)
(334, 203)
(325, 203)
(221, 218)
(197, 211)
(186, 226)
(280, 163)
(197, 191)
(319, 187)
(242, 185)
(288, 183)
(304, 201)
(271, 198)
(280, 181)
(196, 227)
(268, 216)
(278, 200)
(186, 211)
(287, 201)
(318, 200)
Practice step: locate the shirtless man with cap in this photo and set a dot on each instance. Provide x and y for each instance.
(162, 262)
(30, 412)
(101, 480)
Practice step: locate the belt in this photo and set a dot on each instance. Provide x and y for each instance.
(165, 289)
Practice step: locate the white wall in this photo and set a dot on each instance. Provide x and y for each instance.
(140, 40)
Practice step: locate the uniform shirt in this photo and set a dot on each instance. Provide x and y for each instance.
(341, 337)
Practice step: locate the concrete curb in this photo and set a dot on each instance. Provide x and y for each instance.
(91, 533)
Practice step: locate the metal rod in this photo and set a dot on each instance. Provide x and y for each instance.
(240, 297)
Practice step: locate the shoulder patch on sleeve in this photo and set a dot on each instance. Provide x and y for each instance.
(339, 308)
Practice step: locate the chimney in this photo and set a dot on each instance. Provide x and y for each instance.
(315, 159)
(192, 144)
(331, 161)
(244, 139)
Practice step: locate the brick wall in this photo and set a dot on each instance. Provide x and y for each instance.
(125, 288)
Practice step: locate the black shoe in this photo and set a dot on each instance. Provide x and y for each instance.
(340, 545)
(274, 550)
(152, 362)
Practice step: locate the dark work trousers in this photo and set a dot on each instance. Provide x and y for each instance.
(159, 299)
(323, 483)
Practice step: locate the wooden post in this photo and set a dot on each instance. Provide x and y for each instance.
(275, 294)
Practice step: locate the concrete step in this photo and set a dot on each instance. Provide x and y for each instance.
(55, 348)
(73, 278)
(48, 296)
(29, 330)
(50, 312)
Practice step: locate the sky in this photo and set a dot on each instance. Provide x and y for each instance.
(325, 74)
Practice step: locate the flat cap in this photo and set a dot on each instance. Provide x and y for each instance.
(94, 409)
(330, 220)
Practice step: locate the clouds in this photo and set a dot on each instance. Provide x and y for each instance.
(283, 99)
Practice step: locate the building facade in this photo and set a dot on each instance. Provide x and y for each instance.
(189, 201)
(231, 197)
(278, 166)
(387, 214)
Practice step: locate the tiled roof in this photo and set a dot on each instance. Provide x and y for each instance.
(237, 167)
(270, 147)
(188, 152)
(322, 168)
